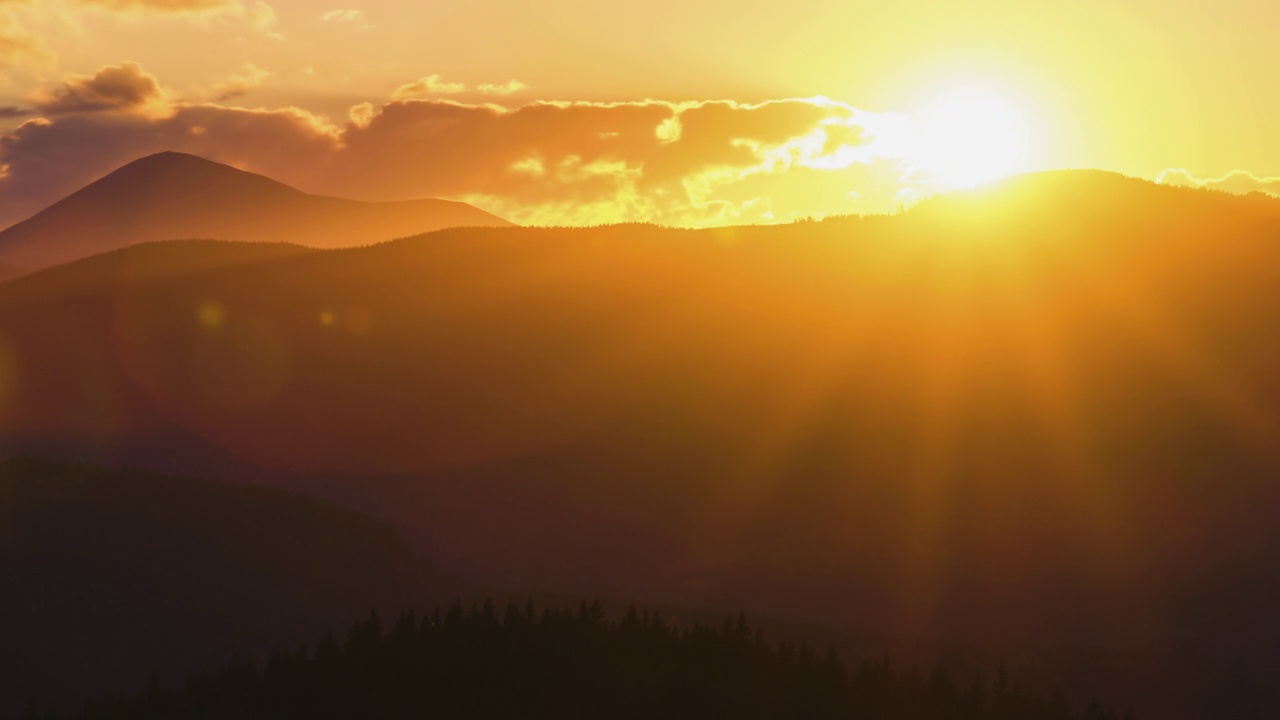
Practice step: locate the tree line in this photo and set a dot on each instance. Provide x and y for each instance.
(526, 662)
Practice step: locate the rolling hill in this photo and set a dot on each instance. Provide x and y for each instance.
(109, 575)
(170, 196)
(1042, 415)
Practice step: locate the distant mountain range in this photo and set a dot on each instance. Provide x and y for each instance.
(175, 196)
(1043, 413)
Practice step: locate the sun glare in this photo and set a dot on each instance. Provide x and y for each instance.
(966, 136)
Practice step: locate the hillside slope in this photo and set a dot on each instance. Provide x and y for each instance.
(1046, 412)
(109, 575)
(172, 196)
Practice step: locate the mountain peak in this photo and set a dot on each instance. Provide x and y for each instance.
(173, 195)
(170, 156)
(188, 169)
(179, 160)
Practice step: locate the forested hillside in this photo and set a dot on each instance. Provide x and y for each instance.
(561, 664)
(106, 573)
(1041, 415)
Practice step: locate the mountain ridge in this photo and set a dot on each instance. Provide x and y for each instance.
(1052, 421)
(112, 573)
(171, 195)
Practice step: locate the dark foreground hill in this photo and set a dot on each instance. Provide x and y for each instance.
(107, 574)
(1042, 416)
(565, 665)
(172, 196)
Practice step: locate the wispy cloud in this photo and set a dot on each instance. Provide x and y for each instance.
(1236, 181)
(22, 44)
(437, 85)
(164, 6)
(427, 86)
(247, 78)
(263, 17)
(509, 87)
(259, 15)
(347, 16)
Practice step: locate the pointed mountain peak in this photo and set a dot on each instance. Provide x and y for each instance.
(169, 157)
(174, 195)
(171, 165)
(171, 160)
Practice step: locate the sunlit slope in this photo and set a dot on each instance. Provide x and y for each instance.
(110, 575)
(176, 196)
(503, 341)
(1044, 409)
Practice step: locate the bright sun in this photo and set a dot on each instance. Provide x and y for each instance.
(967, 136)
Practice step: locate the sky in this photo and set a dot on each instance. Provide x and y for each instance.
(681, 112)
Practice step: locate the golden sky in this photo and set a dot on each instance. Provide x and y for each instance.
(689, 112)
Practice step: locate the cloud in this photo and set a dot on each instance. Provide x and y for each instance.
(164, 6)
(22, 45)
(693, 163)
(347, 16)
(259, 15)
(436, 85)
(362, 114)
(429, 85)
(1236, 181)
(262, 17)
(9, 112)
(116, 88)
(15, 45)
(509, 87)
(240, 83)
(342, 15)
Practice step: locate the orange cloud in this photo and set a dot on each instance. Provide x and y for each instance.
(20, 44)
(14, 45)
(262, 17)
(172, 6)
(1236, 181)
(244, 80)
(116, 88)
(429, 85)
(691, 163)
(258, 14)
(347, 16)
(507, 88)
(342, 15)
(435, 85)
